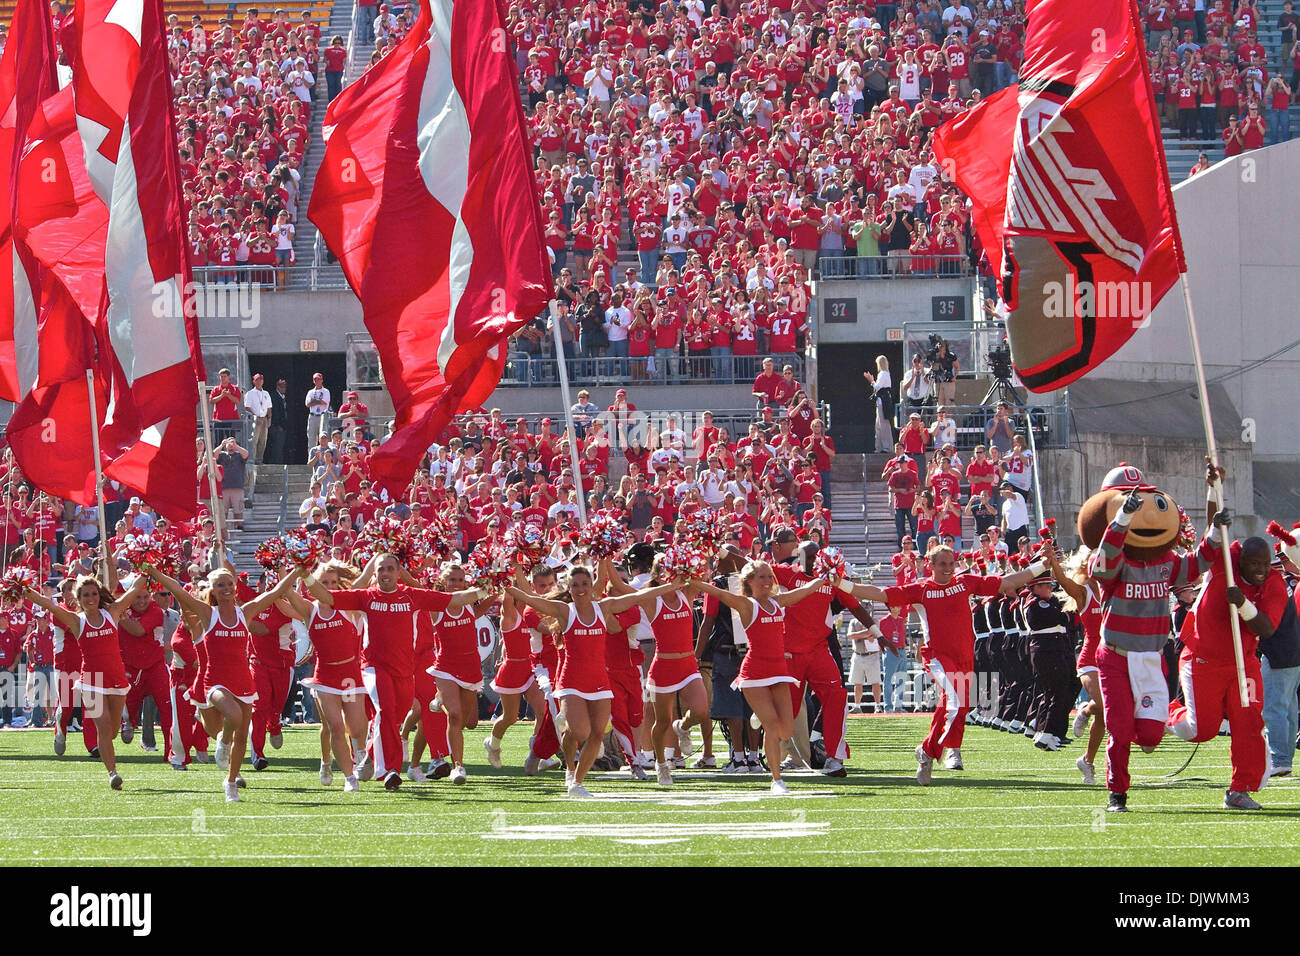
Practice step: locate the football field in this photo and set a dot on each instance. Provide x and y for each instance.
(1013, 805)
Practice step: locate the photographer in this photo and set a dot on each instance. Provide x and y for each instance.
(918, 390)
(1000, 428)
(943, 369)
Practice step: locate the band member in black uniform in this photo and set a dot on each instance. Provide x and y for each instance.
(1051, 658)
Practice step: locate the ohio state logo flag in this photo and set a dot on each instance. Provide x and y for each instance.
(1072, 200)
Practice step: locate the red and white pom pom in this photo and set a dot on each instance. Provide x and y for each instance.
(489, 567)
(830, 563)
(1045, 533)
(686, 560)
(601, 537)
(708, 529)
(385, 534)
(142, 549)
(13, 584)
(304, 549)
(525, 544)
(1282, 535)
(436, 540)
(270, 553)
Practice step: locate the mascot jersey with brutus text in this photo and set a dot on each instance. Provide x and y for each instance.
(1133, 526)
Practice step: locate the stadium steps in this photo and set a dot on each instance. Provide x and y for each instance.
(262, 520)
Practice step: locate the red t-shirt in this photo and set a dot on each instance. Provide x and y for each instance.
(227, 406)
(809, 621)
(946, 613)
(147, 649)
(390, 622)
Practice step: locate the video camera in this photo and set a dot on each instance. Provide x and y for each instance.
(1000, 361)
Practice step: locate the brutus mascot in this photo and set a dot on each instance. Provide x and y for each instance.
(1132, 527)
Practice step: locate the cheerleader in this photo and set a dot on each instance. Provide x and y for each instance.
(67, 665)
(103, 682)
(1086, 596)
(220, 630)
(763, 670)
(335, 682)
(520, 629)
(673, 670)
(583, 683)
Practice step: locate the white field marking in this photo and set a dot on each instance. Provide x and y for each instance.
(554, 853)
(658, 831)
(706, 798)
(706, 830)
(651, 842)
(588, 808)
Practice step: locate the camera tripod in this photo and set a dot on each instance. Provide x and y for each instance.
(1001, 390)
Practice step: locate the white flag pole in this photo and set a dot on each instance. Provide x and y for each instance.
(562, 365)
(218, 512)
(99, 470)
(1208, 423)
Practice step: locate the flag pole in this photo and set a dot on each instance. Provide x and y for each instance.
(562, 365)
(218, 512)
(99, 470)
(1207, 422)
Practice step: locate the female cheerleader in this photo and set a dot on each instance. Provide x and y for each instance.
(1083, 591)
(227, 692)
(67, 665)
(335, 682)
(583, 684)
(673, 670)
(103, 682)
(762, 614)
(457, 668)
(520, 627)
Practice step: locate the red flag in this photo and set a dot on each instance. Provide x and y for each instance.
(27, 76)
(425, 194)
(1082, 228)
(149, 339)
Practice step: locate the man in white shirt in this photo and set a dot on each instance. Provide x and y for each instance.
(313, 500)
(944, 430)
(1015, 516)
(618, 318)
(957, 18)
(258, 402)
(672, 436)
(674, 239)
(711, 484)
(598, 81)
(688, 482)
(318, 409)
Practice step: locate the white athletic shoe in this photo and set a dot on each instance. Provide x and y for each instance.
(578, 792)
(1016, 727)
(366, 769)
(493, 747)
(1239, 800)
(665, 774)
(326, 775)
(240, 782)
(705, 763)
(1088, 770)
(277, 740)
(128, 732)
(952, 760)
(779, 789)
(685, 747)
(458, 775)
(60, 743)
(223, 754)
(550, 763)
(416, 775)
(638, 772)
(231, 790)
(833, 768)
(201, 756)
(350, 784)
(1046, 741)
(115, 780)
(790, 763)
(1080, 723)
(569, 782)
(679, 762)
(734, 766)
(924, 766)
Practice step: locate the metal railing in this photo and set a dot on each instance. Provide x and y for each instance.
(1051, 423)
(539, 369)
(895, 267)
(267, 278)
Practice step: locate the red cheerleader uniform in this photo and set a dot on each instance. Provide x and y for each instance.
(515, 675)
(582, 672)
(1090, 614)
(67, 670)
(102, 669)
(456, 658)
(227, 663)
(764, 663)
(674, 631)
(337, 643)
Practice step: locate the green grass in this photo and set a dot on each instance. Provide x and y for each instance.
(1013, 805)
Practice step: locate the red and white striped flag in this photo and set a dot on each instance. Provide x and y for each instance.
(53, 235)
(123, 100)
(425, 194)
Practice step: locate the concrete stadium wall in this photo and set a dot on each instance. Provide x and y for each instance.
(1238, 222)
(883, 304)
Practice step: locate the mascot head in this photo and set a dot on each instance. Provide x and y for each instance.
(1153, 530)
